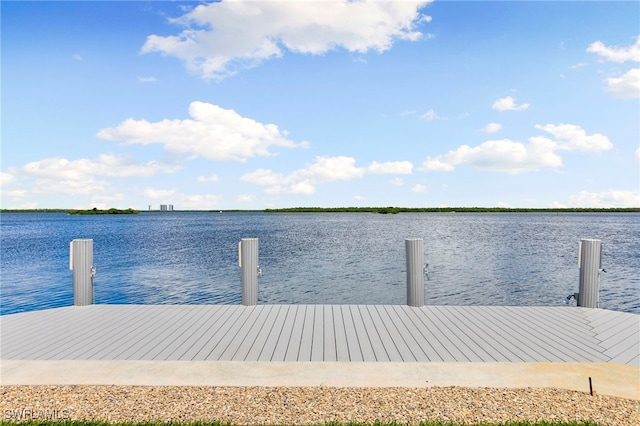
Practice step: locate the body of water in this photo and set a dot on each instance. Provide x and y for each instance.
(333, 258)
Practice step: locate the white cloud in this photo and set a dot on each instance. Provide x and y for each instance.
(329, 169)
(516, 157)
(616, 54)
(15, 195)
(391, 167)
(197, 202)
(212, 178)
(147, 79)
(572, 137)
(158, 194)
(78, 177)
(264, 177)
(430, 115)
(492, 128)
(86, 186)
(6, 178)
(419, 188)
(77, 57)
(105, 165)
(323, 170)
(499, 155)
(627, 86)
(578, 65)
(304, 187)
(397, 181)
(223, 37)
(437, 165)
(605, 199)
(215, 133)
(508, 104)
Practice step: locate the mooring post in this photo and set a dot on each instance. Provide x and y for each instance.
(415, 271)
(590, 264)
(248, 258)
(81, 263)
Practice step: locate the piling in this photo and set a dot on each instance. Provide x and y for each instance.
(590, 263)
(248, 258)
(81, 263)
(415, 271)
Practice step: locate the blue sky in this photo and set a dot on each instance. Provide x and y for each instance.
(252, 105)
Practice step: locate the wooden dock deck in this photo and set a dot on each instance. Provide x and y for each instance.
(296, 333)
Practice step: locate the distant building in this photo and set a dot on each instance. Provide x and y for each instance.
(166, 207)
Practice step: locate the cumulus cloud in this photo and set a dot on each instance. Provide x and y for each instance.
(198, 201)
(512, 157)
(492, 128)
(322, 170)
(6, 178)
(397, 181)
(508, 104)
(499, 155)
(605, 199)
(221, 38)
(105, 165)
(391, 167)
(419, 188)
(212, 178)
(60, 175)
(571, 137)
(158, 194)
(626, 86)
(214, 133)
(616, 54)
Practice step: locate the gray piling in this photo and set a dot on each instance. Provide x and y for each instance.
(81, 263)
(249, 263)
(415, 271)
(590, 263)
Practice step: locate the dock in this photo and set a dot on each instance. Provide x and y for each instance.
(324, 345)
(342, 333)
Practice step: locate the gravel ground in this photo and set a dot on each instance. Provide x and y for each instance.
(311, 405)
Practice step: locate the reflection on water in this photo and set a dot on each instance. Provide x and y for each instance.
(474, 258)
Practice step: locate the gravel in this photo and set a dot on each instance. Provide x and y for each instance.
(311, 405)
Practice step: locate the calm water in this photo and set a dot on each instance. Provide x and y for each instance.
(475, 259)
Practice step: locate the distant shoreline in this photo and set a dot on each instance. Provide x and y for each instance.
(379, 210)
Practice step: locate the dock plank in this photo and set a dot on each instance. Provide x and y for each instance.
(268, 348)
(317, 342)
(369, 342)
(280, 350)
(353, 344)
(293, 349)
(330, 353)
(342, 346)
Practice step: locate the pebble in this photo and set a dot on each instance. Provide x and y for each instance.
(311, 405)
